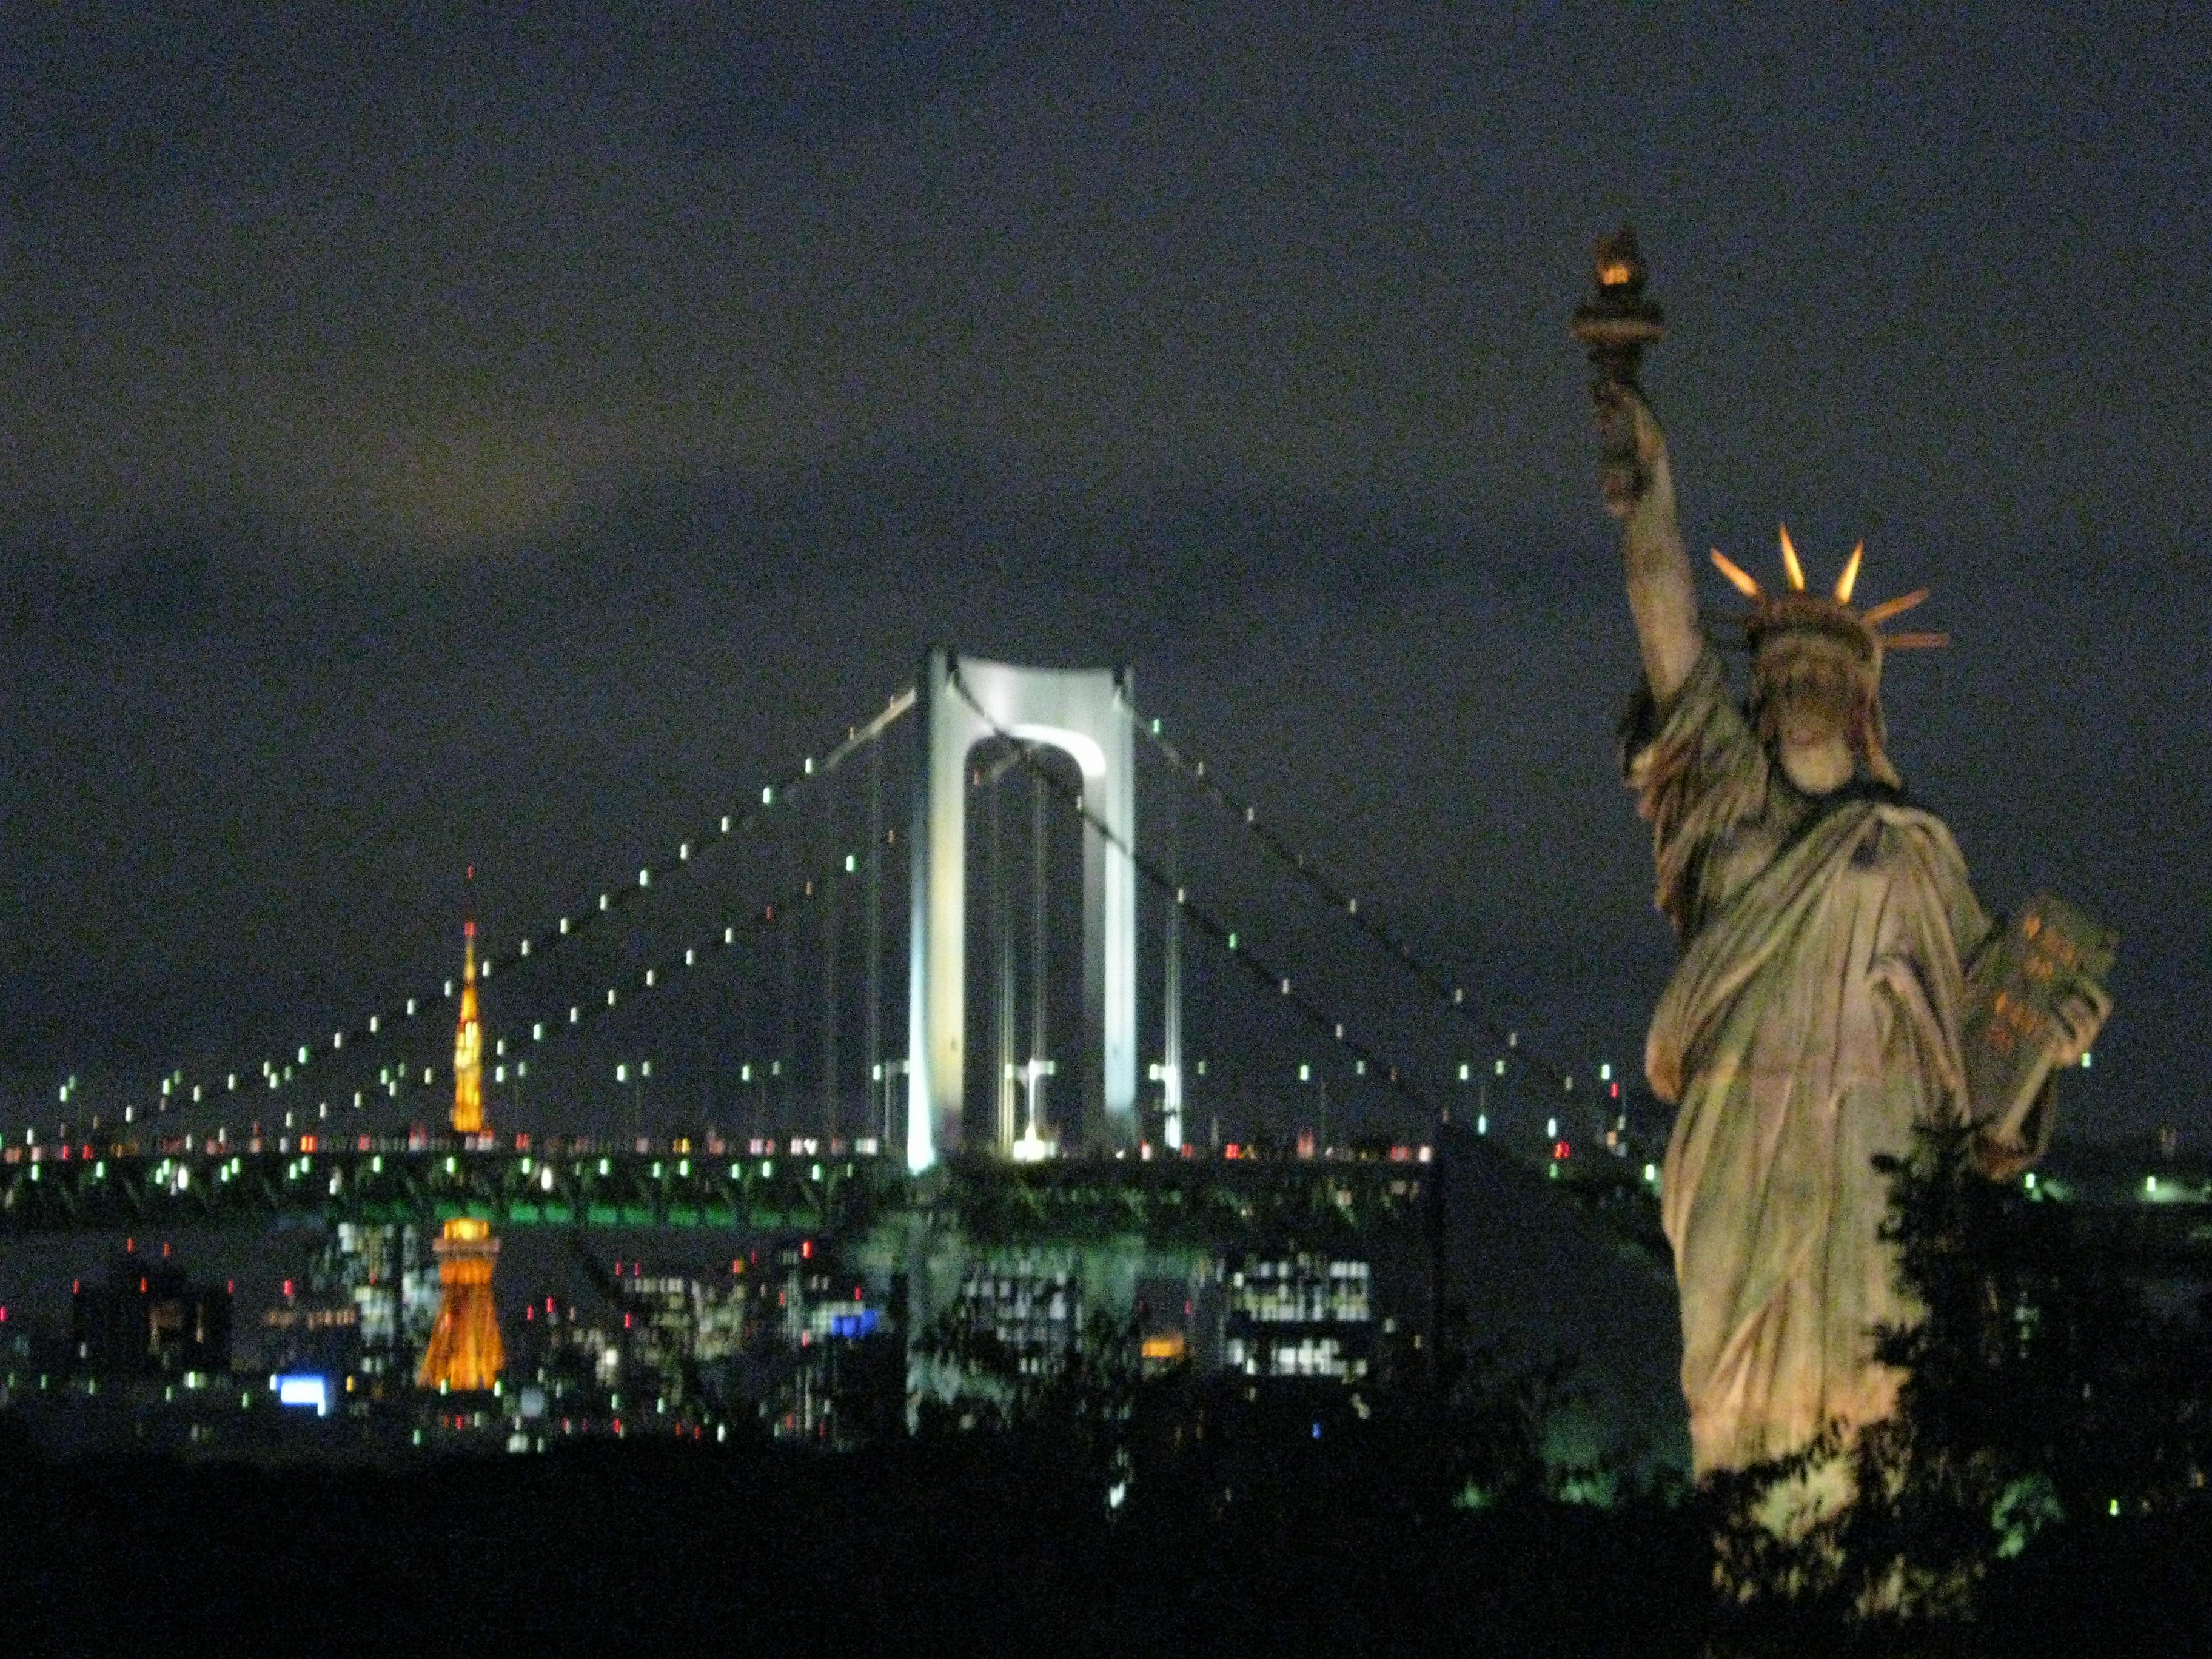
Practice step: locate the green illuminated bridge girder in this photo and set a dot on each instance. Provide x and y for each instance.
(1165, 1200)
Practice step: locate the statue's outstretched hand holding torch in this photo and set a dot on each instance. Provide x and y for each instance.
(1617, 322)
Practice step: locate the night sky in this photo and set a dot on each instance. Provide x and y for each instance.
(514, 436)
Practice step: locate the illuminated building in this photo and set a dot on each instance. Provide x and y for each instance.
(775, 1345)
(1036, 1312)
(466, 1352)
(149, 1320)
(1301, 1315)
(680, 1332)
(311, 1333)
(384, 1271)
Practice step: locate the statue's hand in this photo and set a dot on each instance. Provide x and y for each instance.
(2081, 1013)
(1633, 468)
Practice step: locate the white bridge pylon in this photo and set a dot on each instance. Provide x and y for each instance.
(1086, 714)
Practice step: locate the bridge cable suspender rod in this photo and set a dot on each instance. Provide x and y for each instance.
(1431, 979)
(733, 828)
(1254, 967)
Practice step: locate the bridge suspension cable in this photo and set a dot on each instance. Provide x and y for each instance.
(779, 918)
(179, 1091)
(1310, 872)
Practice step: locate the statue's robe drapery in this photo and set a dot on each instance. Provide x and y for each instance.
(1814, 1018)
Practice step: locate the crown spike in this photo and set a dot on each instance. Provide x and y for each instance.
(1878, 614)
(1911, 641)
(1850, 579)
(1739, 579)
(1796, 571)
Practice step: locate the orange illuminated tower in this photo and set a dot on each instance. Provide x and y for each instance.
(468, 1038)
(465, 1351)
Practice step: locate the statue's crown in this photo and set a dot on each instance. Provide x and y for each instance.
(1798, 610)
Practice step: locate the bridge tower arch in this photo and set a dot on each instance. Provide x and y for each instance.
(1084, 714)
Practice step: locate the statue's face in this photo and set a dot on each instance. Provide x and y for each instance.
(1808, 693)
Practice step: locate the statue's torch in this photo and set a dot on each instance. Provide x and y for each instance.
(1616, 323)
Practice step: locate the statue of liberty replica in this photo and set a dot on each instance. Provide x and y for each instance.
(1838, 985)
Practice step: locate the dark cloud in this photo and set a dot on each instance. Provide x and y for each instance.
(427, 436)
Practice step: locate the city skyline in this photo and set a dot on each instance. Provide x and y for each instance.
(818, 831)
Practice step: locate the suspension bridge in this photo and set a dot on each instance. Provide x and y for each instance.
(770, 1024)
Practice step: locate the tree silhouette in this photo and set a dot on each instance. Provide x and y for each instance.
(2039, 1390)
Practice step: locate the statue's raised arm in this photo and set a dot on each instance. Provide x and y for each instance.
(1639, 490)
(1616, 323)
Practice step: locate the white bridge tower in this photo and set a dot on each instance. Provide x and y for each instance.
(1086, 714)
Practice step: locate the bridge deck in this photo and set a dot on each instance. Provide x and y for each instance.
(1164, 1199)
